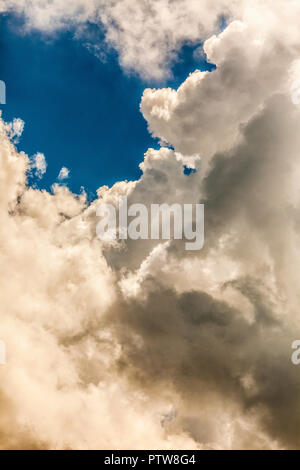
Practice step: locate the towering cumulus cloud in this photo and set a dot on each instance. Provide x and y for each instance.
(141, 344)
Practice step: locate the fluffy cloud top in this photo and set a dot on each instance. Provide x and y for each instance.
(141, 344)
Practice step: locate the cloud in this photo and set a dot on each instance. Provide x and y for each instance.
(182, 118)
(141, 344)
(64, 173)
(148, 35)
(145, 34)
(15, 129)
(39, 164)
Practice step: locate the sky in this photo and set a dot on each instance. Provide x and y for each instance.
(79, 110)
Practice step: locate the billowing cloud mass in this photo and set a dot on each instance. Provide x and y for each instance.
(141, 344)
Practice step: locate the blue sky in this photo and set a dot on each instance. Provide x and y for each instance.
(81, 112)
